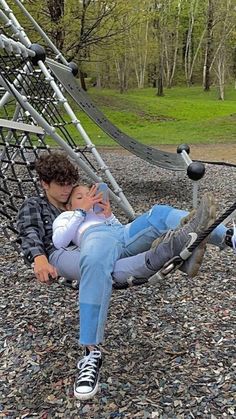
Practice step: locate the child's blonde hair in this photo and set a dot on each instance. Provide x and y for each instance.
(87, 185)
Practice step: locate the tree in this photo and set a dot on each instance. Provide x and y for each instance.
(157, 34)
(56, 12)
(223, 28)
(171, 30)
(79, 27)
(139, 41)
(193, 38)
(209, 46)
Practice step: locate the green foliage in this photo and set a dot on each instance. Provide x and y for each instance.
(127, 44)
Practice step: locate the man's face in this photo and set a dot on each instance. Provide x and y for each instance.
(57, 194)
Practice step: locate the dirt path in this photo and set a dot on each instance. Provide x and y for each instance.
(210, 152)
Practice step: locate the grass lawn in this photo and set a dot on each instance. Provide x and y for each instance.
(183, 115)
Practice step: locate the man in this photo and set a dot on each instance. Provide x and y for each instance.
(94, 269)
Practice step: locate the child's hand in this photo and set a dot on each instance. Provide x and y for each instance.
(105, 208)
(87, 200)
(91, 199)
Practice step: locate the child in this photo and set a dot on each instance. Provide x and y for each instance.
(80, 216)
(70, 225)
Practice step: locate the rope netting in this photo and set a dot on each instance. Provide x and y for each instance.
(19, 149)
(19, 146)
(31, 83)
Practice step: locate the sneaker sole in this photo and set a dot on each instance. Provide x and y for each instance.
(195, 260)
(209, 215)
(192, 265)
(86, 396)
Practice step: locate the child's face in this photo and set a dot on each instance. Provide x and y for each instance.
(77, 197)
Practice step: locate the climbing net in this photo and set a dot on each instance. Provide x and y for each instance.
(31, 95)
(20, 146)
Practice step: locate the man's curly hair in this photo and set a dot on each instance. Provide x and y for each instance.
(56, 167)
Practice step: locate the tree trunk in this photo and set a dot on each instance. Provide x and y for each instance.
(174, 38)
(189, 53)
(221, 73)
(98, 81)
(160, 88)
(56, 10)
(208, 54)
(139, 49)
(121, 68)
(234, 67)
(152, 75)
(82, 80)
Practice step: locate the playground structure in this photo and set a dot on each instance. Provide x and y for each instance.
(36, 116)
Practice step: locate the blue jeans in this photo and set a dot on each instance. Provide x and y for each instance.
(101, 247)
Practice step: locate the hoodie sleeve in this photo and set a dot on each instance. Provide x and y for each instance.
(65, 227)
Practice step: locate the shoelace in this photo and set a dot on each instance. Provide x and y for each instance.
(88, 365)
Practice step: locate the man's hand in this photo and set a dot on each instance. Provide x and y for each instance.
(44, 270)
